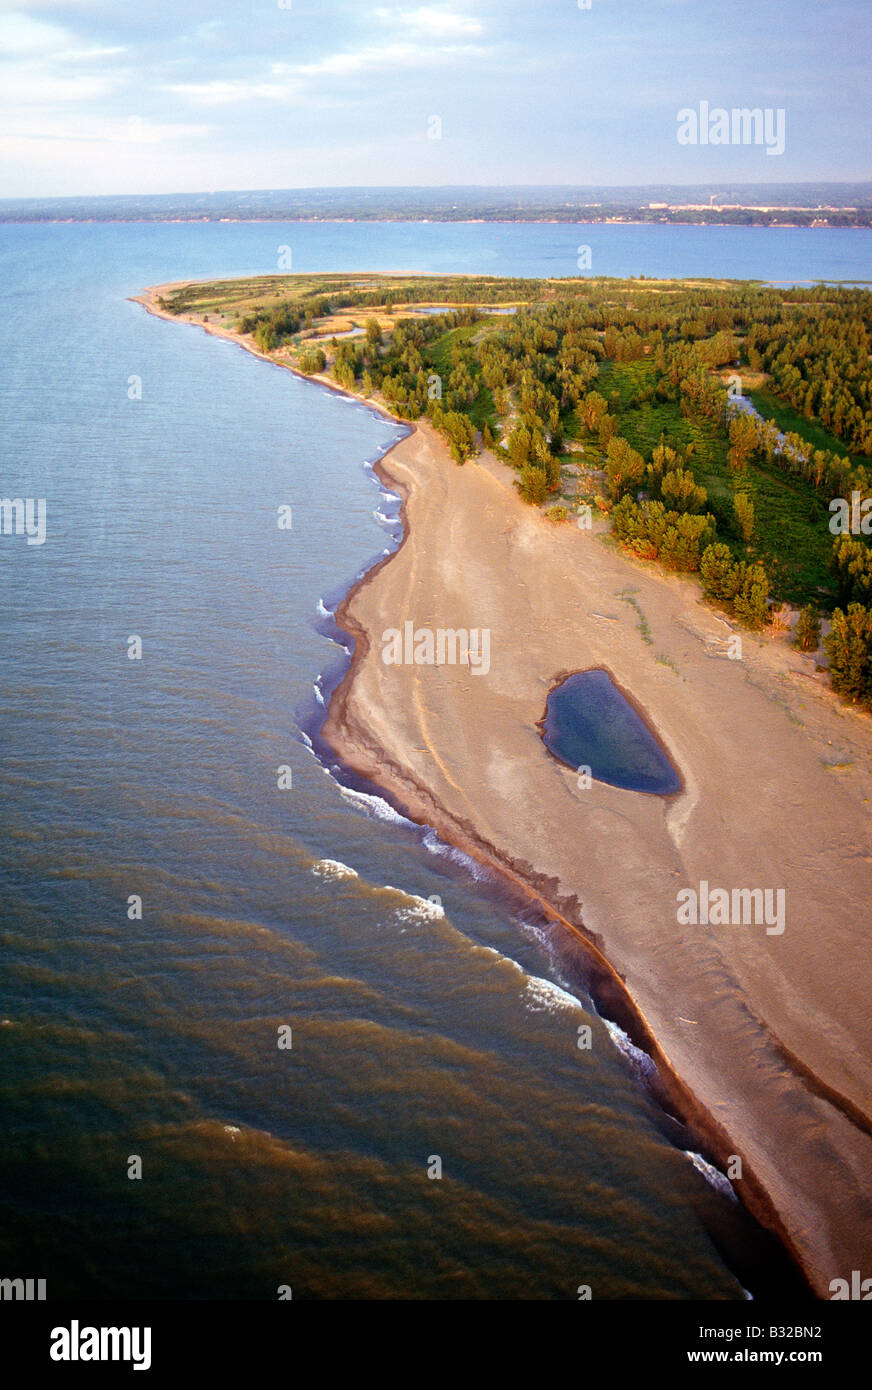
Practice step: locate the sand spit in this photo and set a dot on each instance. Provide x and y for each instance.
(764, 1041)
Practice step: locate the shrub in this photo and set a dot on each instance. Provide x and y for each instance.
(807, 633)
(532, 485)
(311, 360)
(652, 532)
(743, 587)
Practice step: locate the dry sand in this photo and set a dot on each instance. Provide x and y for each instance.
(764, 1041)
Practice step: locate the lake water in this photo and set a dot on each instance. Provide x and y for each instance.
(432, 1016)
(589, 723)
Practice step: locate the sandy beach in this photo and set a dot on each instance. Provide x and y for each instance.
(762, 1040)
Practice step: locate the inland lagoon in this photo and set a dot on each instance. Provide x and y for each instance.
(589, 723)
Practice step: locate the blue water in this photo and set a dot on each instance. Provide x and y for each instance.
(419, 1029)
(161, 252)
(590, 723)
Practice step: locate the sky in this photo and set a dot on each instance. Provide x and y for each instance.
(168, 96)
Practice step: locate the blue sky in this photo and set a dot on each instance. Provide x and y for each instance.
(178, 95)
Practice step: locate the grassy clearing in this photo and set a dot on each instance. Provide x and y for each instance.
(791, 533)
(438, 356)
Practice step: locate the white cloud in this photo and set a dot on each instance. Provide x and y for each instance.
(370, 59)
(231, 91)
(433, 21)
(88, 55)
(381, 58)
(22, 36)
(36, 87)
(20, 132)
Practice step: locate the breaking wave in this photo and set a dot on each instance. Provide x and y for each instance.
(374, 806)
(438, 847)
(641, 1065)
(543, 996)
(718, 1180)
(417, 909)
(333, 868)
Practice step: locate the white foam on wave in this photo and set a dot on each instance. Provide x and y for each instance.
(438, 847)
(333, 868)
(318, 696)
(716, 1179)
(640, 1063)
(545, 941)
(416, 909)
(322, 610)
(374, 806)
(543, 996)
(539, 995)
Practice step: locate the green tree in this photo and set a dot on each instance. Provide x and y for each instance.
(743, 441)
(744, 510)
(718, 573)
(685, 537)
(624, 467)
(532, 485)
(851, 561)
(751, 602)
(807, 633)
(460, 434)
(680, 492)
(849, 647)
(520, 445)
(607, 429)
(593, 409)
(663, 460)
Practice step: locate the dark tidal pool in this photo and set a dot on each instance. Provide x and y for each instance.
(590, 724)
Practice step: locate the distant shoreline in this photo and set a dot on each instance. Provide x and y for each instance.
(569, 221)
